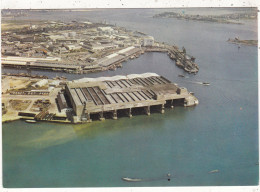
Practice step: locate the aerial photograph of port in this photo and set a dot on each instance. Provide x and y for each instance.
(129, 97)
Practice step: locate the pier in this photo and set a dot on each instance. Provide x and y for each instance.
(180, 57)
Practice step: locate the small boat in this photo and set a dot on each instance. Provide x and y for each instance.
(205, 83)
(168, 177)
(214, 171)
(30, 121)
(131, 179)
(181, 76)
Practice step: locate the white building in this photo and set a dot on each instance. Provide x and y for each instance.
(73, 47)
(148, 41)
(55, 37)
(40, 83)
(55, 83)
(106, 30)
(72, 34)
(65, 34)
(87, 22)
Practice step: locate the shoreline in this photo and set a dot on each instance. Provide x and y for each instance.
(225, 18)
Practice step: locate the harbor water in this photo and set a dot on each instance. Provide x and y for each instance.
(221, 133)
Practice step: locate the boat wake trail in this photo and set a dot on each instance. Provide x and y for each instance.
(167, 177)
(199, 82)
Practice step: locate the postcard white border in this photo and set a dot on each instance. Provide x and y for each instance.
(79, 4)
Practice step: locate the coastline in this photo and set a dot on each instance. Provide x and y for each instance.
(225, 18)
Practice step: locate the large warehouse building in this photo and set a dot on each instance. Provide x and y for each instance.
(106, 96)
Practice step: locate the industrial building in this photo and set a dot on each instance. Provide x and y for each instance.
(62, 102)
(148, 41)
(109, 96)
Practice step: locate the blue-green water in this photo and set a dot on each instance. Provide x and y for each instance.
(220, 133)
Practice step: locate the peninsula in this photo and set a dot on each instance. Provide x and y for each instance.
(225, 18)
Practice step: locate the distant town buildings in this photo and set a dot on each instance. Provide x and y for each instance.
(61, 40)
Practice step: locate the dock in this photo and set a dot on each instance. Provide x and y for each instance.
(25, 63)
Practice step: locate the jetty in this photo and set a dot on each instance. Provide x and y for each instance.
(180, 57)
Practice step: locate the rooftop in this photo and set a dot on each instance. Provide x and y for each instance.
(120, 92)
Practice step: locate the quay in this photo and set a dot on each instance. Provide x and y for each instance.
(109, 62)
(38, 63)
(181, 59)
(25, 75)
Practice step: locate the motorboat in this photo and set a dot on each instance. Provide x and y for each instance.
(214, 171)
(128, 179)
(131, 179)
(30, 121)
(205, 83)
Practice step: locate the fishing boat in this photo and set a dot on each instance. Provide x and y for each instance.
(30, 121)
(131, 179)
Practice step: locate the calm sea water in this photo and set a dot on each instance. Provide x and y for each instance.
(220, 133)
